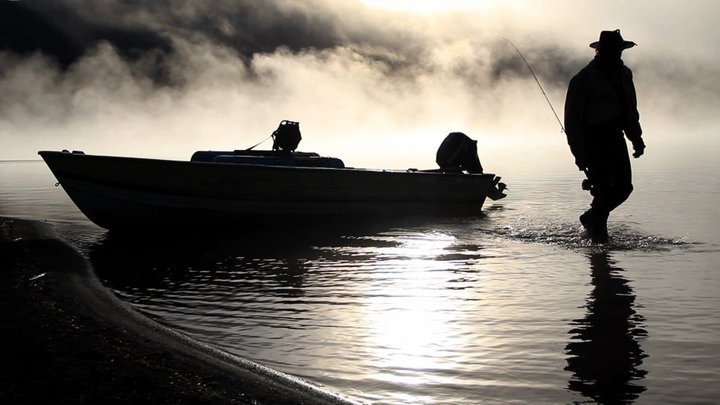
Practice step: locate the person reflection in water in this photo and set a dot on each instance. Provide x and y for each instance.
(600, 105)
(604, 353)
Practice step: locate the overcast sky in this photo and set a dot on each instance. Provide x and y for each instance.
(378, 83)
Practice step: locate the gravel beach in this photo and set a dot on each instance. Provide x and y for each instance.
(67, 339)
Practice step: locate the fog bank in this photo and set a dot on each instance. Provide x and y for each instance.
(375, 87)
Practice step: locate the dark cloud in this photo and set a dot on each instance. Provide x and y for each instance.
(250, 28)
(58, 30)
(67, 30)
(553, 65)
(25, 30)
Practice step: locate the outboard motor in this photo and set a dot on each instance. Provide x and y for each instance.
(287, 136)
(458, 151)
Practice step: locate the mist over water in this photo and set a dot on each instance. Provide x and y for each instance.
(376, 87)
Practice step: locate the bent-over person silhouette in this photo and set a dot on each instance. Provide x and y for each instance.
(600, 106)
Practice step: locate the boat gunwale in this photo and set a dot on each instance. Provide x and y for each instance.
(428, 172)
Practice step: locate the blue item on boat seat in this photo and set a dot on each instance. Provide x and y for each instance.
(270, 158)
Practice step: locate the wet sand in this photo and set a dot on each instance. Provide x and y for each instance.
(66, 339)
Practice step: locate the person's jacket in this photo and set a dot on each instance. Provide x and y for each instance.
(600, 99)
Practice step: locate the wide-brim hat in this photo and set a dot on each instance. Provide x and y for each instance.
(612, 40)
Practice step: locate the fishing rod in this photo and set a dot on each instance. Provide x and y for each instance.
(538, 83)
(253, 147)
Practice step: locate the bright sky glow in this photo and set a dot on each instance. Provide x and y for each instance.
(433, 6)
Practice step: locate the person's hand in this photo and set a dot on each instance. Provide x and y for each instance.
(638, 149)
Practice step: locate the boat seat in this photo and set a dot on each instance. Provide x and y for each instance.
(294, 159)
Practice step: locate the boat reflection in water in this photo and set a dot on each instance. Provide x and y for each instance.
(161, 264)
(605, 354)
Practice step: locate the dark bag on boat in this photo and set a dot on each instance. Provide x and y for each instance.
(287, 136)
(458, 151)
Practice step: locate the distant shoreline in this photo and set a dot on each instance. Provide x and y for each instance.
(67, 338)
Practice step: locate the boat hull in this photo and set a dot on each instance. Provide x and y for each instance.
(120, 192)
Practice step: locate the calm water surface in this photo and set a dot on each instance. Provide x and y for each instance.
(514, 306)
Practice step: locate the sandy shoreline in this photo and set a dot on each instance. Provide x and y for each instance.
(67, 339)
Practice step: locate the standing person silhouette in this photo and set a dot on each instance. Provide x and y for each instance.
(600, 105)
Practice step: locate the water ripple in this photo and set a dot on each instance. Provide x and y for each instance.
(574, 236)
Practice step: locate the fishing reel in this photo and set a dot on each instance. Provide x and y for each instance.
(587, 184)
